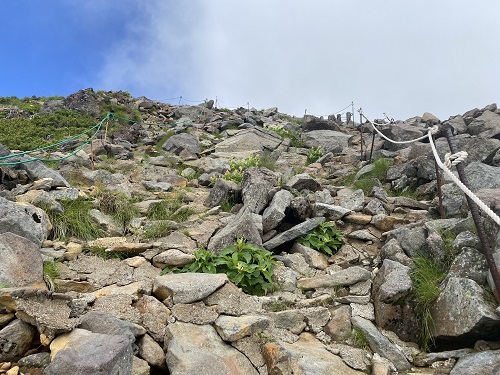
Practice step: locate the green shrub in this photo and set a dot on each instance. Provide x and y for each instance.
(43, 130)
(426, 276)
(380, 167)
(246, 265)
(325, 238)
(314, 154)
(74, 221)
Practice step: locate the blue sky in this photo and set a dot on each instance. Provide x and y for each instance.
(399, 57)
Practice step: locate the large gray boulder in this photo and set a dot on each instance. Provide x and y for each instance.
(184, 141)
(275, 212)
(487, 362)
(198, 349)
(464, 298)
(80, 352)
(400, 132)
(328, 140)
(381, 344)
(21, 263)
(293, 233)
(255, 139)
(480, 176)
(307, 356)
(255, 187)
(245, 225)
(485, 126)
(24, 220)
(15, 339)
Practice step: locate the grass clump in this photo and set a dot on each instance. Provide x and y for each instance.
(102, 253)
(245, 264)
(325, 238)
(426, 276)
(359, 338)
(118, 205)
(158, 229)
(75, 221)
(294, 136)
(171, 208)
(163, 139)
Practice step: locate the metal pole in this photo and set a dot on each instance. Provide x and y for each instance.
(360, 134)
(439, 183)
(373, 142)
(488, 254)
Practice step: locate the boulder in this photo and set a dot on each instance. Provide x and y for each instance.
(487, 362)
(198, 349)
(255, 187)
(80, 352)
(255, 139)
(381, 344)
(183, 141)
(24, 220)
(465, 298)
(21, 263)
(243, 225)
(275, 212)
(15, 339)
(187, 287)
(328, 140)
(293, 233)
(307, 356)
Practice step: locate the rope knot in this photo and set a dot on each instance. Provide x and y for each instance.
(454, 159)
(434, 129)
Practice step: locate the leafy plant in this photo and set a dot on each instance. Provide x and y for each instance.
(74, 221)
(325, 238)
(314, 154)
(245, 264)
(294, 136)
(237, 168)
(5, 285)
(380, 167)
(426, 276)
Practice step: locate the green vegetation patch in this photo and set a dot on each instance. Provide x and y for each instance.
(75, 221)
(325, 238)
(426, 276)
(43, 130)
(245, 264)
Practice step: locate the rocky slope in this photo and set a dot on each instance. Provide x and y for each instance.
(96, 300)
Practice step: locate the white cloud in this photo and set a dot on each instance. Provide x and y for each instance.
(403, 58)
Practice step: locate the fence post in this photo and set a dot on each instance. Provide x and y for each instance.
(487, 251)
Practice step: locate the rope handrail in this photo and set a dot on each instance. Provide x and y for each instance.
(433, 129)
(459, 183)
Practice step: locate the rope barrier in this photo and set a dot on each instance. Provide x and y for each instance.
(434, 130)
(20, 154)
(459, 183)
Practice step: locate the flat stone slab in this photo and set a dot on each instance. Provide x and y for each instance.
(349, 276)
(293, 233)
(187, 287)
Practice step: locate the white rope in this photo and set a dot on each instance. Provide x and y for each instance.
(459, 183)
(434, 129)
(451, 160)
